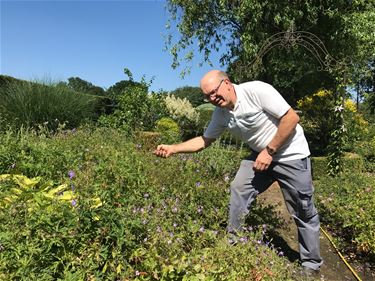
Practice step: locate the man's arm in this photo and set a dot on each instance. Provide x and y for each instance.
(192, 145)
(287, 125)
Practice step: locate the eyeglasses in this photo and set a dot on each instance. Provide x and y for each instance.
(213, 92)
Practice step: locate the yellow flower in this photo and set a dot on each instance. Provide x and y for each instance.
(350, 106)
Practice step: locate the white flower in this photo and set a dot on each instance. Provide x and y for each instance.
(180, 108)
(339, 108)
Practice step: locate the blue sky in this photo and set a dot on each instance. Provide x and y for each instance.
(94, 40)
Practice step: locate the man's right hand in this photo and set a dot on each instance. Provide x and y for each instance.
(164, 150)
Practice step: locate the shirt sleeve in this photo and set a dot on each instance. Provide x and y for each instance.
(216, 125)
(271, 100)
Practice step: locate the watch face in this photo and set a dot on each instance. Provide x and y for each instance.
(270, 150)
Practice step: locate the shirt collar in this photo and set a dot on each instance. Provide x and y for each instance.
(238, 92)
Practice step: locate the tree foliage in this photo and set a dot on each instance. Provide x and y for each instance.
(79, 85)
(193, 94)
(135, 108)
(318, 121)
(345, 27)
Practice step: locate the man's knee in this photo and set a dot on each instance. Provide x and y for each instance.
(306, 207)
(237, 186)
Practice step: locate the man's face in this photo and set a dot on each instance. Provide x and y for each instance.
(216, 92)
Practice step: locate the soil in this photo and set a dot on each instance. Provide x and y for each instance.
(285, 238)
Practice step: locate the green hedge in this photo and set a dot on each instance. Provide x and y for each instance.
(351, 162)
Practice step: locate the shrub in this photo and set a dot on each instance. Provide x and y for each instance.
(205, 113)
(170, 132)
(147, 141)
(136, 109)
(367, 150)
(347, 203)
(31, 104)
(318, 123)
(184, 114)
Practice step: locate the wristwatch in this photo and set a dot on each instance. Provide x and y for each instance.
(271, 151)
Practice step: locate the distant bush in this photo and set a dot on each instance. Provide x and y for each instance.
(6, 80)
(193, 94)
(30, 104)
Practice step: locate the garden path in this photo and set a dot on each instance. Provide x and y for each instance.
(333, 269)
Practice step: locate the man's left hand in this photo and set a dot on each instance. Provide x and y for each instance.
(263, 161)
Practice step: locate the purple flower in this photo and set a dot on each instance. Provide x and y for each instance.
(201, 229)
(243, 239)
(198, 184)
(73, 187)
(71, 174)
(137, 273)
(74, 202)
(281, 253)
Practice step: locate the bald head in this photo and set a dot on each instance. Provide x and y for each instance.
(212, 77)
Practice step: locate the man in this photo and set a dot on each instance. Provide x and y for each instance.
(258, 114)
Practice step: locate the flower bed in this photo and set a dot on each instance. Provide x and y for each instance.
(92, 205)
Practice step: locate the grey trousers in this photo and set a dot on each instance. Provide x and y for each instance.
(294, 178)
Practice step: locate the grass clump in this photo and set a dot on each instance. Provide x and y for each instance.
(28, 104)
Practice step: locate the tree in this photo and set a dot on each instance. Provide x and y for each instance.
(123, 85)
(193, 94)
(79, 85)
(366, 91)
(344, 26)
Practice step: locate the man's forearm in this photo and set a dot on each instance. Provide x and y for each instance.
(286, 127)
(193, 145)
